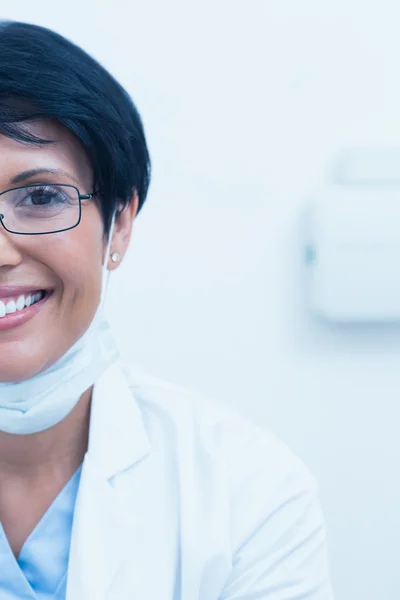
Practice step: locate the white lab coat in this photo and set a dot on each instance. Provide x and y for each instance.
(183, 499)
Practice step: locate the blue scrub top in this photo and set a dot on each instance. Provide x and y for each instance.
(40, 572)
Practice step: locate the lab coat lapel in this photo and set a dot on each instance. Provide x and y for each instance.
(100, 535)
(97, 545)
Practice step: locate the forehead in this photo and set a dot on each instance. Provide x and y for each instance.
(66, 153)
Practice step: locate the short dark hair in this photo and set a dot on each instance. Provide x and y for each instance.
(45, 76)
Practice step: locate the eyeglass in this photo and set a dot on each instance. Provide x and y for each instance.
(41, 208)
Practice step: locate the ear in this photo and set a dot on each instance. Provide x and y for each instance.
(122, 231)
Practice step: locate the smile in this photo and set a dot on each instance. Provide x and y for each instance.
(15, 311)
(15, 304)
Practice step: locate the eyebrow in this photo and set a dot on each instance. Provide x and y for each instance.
(32, 172)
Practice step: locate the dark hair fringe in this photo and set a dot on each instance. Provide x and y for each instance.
(45, 76)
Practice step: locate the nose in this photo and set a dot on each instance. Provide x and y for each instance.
(10, 255)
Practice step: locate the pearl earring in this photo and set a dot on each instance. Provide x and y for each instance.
(115, 257)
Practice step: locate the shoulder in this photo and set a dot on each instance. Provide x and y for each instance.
(248, 451)
(261, 498)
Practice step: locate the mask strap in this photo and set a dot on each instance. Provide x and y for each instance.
(105, 272)
(110, 240)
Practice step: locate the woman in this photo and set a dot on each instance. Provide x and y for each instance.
(114, 486)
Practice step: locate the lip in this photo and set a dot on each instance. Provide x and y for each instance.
(20, 317)
(11, 290)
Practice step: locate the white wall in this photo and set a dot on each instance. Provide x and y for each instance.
(244, 104)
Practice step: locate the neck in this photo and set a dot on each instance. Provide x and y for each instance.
(56, 451)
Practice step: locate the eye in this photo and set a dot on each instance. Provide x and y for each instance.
(44, 196)
(41, 208)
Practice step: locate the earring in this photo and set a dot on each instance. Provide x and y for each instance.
(115, 257)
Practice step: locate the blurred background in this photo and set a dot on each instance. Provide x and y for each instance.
(245, 105)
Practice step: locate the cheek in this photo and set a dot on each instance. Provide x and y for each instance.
(75, 259)
(80, 273)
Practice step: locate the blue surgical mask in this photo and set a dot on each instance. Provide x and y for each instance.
(40, 402)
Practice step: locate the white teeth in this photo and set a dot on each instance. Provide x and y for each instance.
(15, 305)
(11, 307)
(36, 297)
(20, 303)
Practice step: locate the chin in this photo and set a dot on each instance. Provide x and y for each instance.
(13, 374)
(22, 366)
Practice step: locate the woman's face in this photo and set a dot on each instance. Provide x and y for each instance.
(69, 263)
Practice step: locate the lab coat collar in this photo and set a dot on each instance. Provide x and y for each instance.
(100, 534)
(117, 436)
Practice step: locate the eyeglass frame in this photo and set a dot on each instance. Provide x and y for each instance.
(80, 197)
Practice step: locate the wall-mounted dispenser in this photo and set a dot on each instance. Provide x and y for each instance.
(353, 240)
